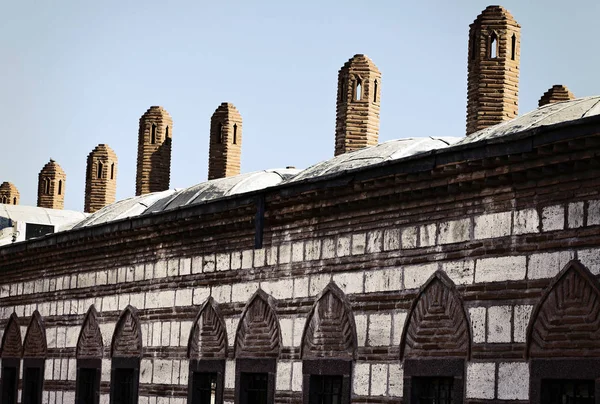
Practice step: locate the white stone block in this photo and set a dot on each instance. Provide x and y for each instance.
(328, 248)
(106, 367)
(200, 295)
(231, 324)
(72, 336)
(343, 246)
(361, 328)
(156, 333)
(526, 221)
(513, 381)
(396, 380)
(68, 397)
(285, 253)
(349, 282)
(427, 235)
(398, 321)
(379, 377)
(380, 329)
(299, 323)
(481, 378)
(374, 241)
(298, 251)
(241, 292)
(223, 262)
(593, 218)
(362, 373)
(209, 263)
(383, 280)
(287, 331)
(297, 376)
(137, 300)
(318, 283)
(284, 375)
(461, 272)
(165, 337)
(148, 272)
(72, 373)
(500, 269)
(230, 374)
(391, 239)
(553, 218)
(313, 249)
(175, 332)
(271, 253)
(591, 259)
(575, 218)
(477, 315)
(160, 269)
(359, 242)
(184, 373)
(408, 237)
(110, 303)
(184, 334)
(236, 260)
(280, 289)
(454, 231)
(301, 287)
(416, 275)
(146, 371)
(547, 265)
(499, 324)
(107, 330)
(522, 315)
(197, 265)
(493, 225)
(163, 370)
(49, 369)
(259, 258)
(221, 293)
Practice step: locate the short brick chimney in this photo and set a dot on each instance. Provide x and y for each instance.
(51, 186)
(225, 148)
(556, 93)
(9, 194)
(100, 178)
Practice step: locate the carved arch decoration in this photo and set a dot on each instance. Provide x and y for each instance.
(208, 336)
(127, 338)
(35, 345)
(12, 345)
(437, 324)
(90, 344)
(258, 334)
(330, 331)
(566, 320)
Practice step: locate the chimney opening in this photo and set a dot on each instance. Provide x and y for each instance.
(47, 186)
(375, 92)
(153, 135)
(513, 47)
(14, 200)
(358, 94)
(235, 133)
(100, 167)
(112, 171)
(59, 187)
(493, 53)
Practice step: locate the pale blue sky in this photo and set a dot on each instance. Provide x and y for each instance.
(78, 73)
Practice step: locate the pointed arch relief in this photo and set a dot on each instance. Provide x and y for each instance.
(12, 342)
(437, 324)
(566, 321)
(258, 334)
(35, 345)
(90, 344)
(127, 339)
(208, 336)
(330, 330)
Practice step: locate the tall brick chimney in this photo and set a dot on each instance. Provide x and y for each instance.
(358, 102)
(493, 79)
(9, 194)
(100, 178)
(154, 151)
(51, 186)
(225, 148)
(556, 93)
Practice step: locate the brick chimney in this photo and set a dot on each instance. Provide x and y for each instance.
(358, 102)
(556, 93)
(9, 194)
(493, 78)
(51, 186)
(225, 148)
(154, 151)
(100, 178)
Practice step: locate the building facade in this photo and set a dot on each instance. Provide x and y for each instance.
(419, 270)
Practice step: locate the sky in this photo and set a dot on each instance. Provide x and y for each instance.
(74, 74)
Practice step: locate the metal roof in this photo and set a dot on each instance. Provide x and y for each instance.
(32, 214)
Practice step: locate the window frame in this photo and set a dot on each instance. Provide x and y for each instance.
(454, 368)
(575, 369)
(327, 367)
(125, 363)
(11, 363)
(33, 363)
(249, 365)
(207, 366)
(88, 364)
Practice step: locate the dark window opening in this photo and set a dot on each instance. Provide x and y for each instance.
(112, 171)
(235, 133)
(358, 94)
(568, 391)
(493, 53)
(88, 389)
(204, 388)
(220, 133)
(255, 388)
(47, 186)
(33, 230)
(9, 385)
(513, 47)
(153, 135)
(3, 199)
(375, 92)
(14, 200)
(60, 187)
(433, 390)
(473, 46)
(124, 387)
(325, 389)
(166, 132)
(343, 90)
(100, 168)
(32, 385)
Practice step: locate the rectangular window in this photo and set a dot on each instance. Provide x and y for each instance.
(255, 387)
(9, 385)
(87, 386)
(326, 389)
(32, 385)
(432, 390)
(556, 391)
(204, 388)
(124, 387)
